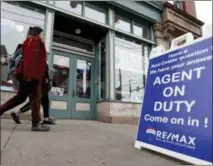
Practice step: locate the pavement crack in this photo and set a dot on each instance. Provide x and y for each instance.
(10, 136)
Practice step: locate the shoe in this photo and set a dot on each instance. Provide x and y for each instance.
(50, 121)
(40, 127)
(15, 118)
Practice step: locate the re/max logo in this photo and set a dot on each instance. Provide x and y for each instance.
(188, 140)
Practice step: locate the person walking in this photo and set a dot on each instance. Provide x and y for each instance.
(46, 87)
(17, 74)
(30, 73)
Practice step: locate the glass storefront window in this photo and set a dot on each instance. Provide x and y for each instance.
(129, 71)
(60, 83)
(71, 6)
(83, 81)
(178, 4)
(172, 2)
(95, 13)
(15, 22)
(140, 30)
(122, 23)
(51, 2)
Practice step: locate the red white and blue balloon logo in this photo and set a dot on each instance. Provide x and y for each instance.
(151, 132)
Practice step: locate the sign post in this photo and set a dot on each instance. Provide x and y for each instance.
(176, 117)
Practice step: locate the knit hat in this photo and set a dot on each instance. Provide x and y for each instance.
(35, 30)
(29, 31)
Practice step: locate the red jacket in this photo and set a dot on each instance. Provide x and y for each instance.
(34, 58)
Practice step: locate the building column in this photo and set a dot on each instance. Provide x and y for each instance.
(48, 31)
(163, 35)
(110, 81)
(110, 66)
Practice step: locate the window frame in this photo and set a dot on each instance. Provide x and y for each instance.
(134, 19)
(70, 11)
(99, 8)
(176, 3)
(128, 20)
(143, 27)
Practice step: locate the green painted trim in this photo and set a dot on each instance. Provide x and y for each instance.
(152, 35)
(92, 113)
(51, 7)
(111, 64)
(111, 16)
(61, 98)
(118, 101)
(132, 26)
(67, 98)
(156, 4)
(97, 78)
(100, 7)
(107, 77)
(48, 2)
(113, 45)
(106, 68)
(83, 8)
(97, 72)
(71, 101)
(144, 10)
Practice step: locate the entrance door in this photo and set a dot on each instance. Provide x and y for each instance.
(72, 94)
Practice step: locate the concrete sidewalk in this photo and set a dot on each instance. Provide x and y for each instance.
(78, 143)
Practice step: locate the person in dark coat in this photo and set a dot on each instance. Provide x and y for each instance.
(22, 92)
(31, 73)
(46, 87)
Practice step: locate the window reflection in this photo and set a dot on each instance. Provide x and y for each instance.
(15, 22)
(146, 58)
(145, 62)
(141, 30)
(95, 13)
(122, 23)
(172, 2)
(129, 71)
(51, 2)
(138, 30)
(178, 4)
(83, 84)
(60, 81)
(72, 6)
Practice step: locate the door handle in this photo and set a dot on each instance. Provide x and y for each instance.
(73, 93)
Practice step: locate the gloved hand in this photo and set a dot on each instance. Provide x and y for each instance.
(46, 80)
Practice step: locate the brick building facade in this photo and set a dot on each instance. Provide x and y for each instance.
(179, 17)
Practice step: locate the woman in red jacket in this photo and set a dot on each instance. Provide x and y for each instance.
(30, 74)
(34, 54)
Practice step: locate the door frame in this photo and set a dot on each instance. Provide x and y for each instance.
(84, 114)
(68, 114)
(61, 113)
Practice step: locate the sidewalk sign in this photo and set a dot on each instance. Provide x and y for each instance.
(176, 116)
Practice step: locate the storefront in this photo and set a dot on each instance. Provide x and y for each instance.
(98, 51)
